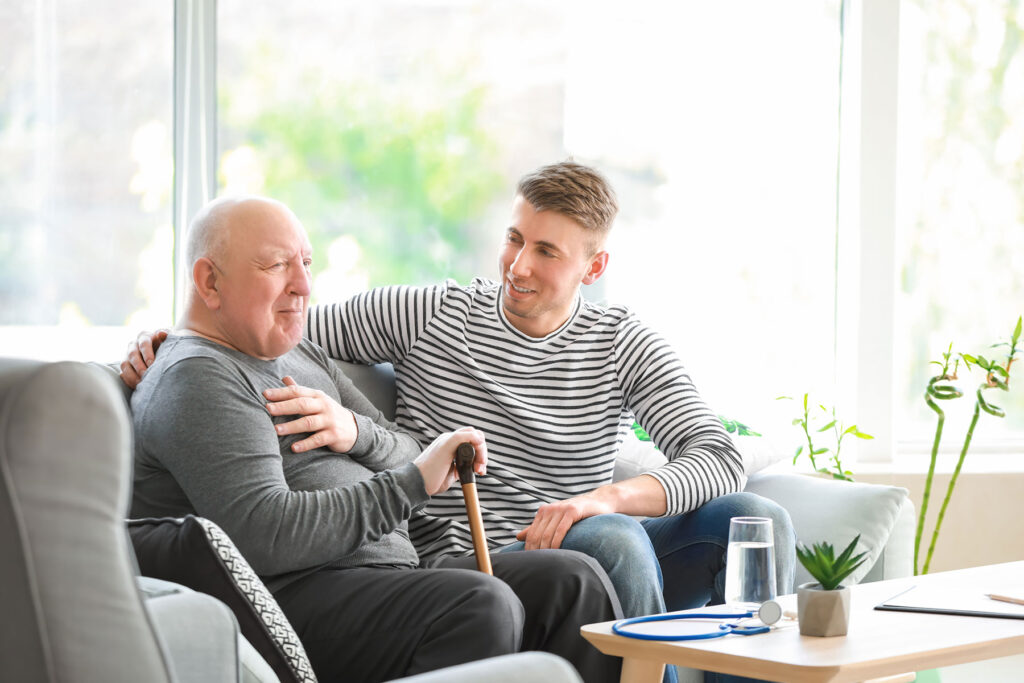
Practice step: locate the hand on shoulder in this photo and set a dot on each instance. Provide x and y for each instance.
(141, 354)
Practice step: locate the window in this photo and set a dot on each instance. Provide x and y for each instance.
(400, 151)
(397, 149)
(397, 130)
(85, 178)
(960, 202)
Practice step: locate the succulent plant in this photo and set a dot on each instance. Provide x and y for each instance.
(821, 562)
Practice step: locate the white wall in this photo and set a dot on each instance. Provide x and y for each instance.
(984, 523)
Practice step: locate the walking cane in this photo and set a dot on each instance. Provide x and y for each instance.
(464, 456)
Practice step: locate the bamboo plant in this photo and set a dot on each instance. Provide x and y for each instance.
(997, 376)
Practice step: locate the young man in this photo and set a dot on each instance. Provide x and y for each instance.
(316, 495)
(555, 382)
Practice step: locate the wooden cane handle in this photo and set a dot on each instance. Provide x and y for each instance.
(465, 454)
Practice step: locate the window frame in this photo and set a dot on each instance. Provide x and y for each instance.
(865, 241)
(195, 124)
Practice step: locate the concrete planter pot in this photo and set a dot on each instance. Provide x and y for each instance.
(822, 612)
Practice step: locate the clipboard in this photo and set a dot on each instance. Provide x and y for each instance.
(969, 601)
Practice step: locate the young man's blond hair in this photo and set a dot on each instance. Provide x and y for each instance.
(573, 190)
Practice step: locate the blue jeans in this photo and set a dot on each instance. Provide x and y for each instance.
(673, 563)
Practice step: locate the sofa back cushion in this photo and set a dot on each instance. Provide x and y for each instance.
(377, 382)
(827, 510)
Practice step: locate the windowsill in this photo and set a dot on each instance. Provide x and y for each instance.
(974, 464)
(985, 463)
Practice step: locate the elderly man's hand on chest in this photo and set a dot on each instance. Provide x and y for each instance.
(327, 422)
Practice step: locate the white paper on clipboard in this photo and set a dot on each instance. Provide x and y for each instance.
(966, 601)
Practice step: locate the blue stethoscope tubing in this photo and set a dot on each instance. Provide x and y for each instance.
(618, 628)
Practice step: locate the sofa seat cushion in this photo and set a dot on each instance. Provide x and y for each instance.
(196, 553)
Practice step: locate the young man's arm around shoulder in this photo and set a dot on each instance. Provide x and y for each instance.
(377, 326)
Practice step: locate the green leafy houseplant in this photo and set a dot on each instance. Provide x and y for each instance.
(732, 426)
(997, 376)
(809, 422)
(821, 562)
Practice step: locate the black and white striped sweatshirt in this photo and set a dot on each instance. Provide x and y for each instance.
(554, 410)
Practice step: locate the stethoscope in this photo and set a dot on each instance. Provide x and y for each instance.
(769, 613)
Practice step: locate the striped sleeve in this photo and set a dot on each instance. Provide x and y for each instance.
(703, 461)
(377, 326)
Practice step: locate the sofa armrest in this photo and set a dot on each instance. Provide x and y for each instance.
(199, 633)
(897, 558)
(826, 510)
(522, 666)
(70, 606)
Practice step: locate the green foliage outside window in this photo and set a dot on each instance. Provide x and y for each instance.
(411, 186)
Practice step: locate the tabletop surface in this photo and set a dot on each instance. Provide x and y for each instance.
(878, 643)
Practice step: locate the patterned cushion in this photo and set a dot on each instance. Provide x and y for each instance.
(196, 553)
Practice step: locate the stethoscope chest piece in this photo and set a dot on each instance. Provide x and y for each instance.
(770, 612)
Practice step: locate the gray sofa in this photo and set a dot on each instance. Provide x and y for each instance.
(75, 609)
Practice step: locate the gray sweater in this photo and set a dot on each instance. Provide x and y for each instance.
(206, 445)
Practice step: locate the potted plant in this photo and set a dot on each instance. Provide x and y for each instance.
(824, 607)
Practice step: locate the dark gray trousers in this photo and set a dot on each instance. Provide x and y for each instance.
(376, 624)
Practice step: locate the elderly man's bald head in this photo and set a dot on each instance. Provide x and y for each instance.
(251, 276)
(210, 231)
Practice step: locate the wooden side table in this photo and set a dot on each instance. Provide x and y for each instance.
(879, 644)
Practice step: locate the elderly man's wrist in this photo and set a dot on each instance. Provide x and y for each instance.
(363, 442)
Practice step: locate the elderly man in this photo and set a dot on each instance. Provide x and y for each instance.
(315, 487)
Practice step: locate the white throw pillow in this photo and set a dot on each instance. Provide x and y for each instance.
(870, 510)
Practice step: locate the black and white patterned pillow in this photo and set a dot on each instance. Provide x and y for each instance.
(196, 553)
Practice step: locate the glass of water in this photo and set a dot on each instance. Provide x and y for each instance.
(750, 563)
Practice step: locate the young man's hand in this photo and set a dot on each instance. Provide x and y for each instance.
(141, 354)
(437, 462)
(328, 423)
(553, 520)
(642, 495)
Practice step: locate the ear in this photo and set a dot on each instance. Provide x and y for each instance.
(598, 264)
(204, 277)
